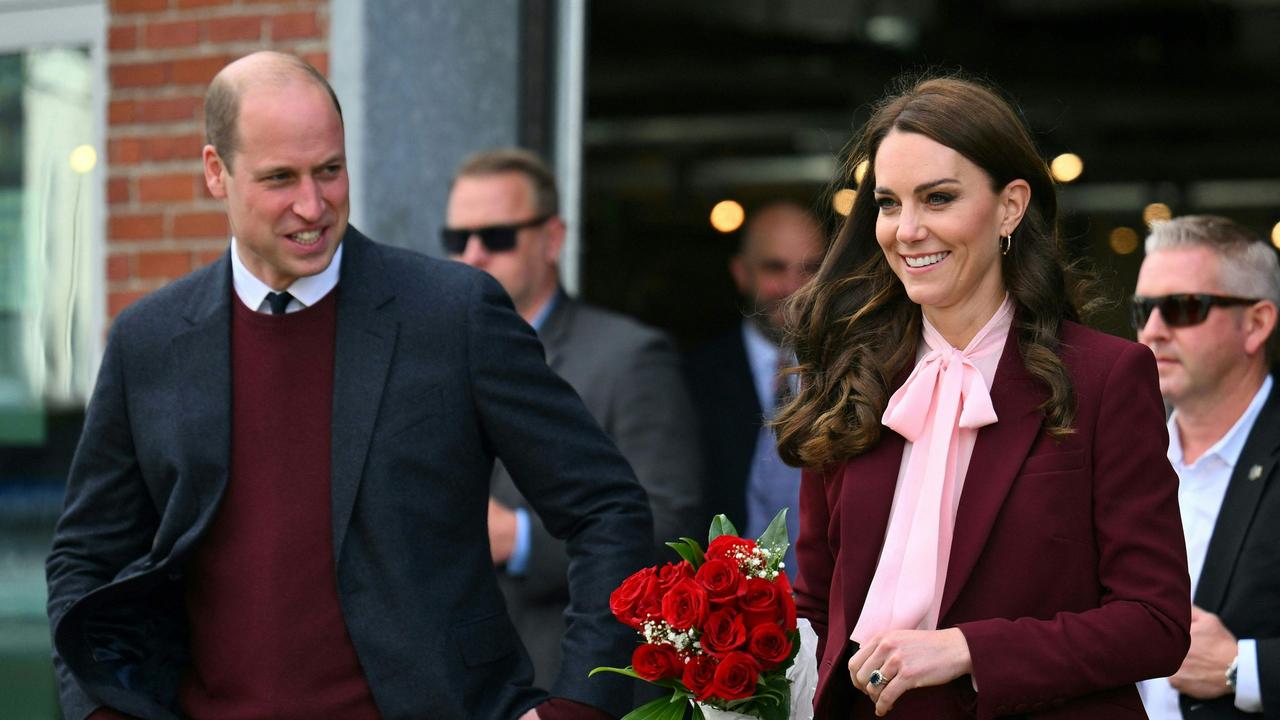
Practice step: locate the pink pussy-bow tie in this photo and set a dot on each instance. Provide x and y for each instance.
(944, 394)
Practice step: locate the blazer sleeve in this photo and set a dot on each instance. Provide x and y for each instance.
(108, 519)
(1141, 627)
(574, 478)
(1269, 672)
(813, 555)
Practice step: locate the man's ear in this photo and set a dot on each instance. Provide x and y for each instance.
(741, 274)
(555, 230)
(1014, 200)
(1259, 323)
(215, 172)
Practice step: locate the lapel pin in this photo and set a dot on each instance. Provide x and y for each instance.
(1255, 472)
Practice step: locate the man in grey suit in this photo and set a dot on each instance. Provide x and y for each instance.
(503, 218)
(278, 504)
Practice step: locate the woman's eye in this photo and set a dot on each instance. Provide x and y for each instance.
(886, 203)
(939, 198)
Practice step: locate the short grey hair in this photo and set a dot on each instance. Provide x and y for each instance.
(546, 197)
(1248, 265)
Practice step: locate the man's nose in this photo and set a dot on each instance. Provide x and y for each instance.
(308, 204)
(1153, 329)
(475, 253)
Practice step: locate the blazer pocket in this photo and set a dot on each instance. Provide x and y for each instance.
(414, 411)
(1062, 461)
(485, 640)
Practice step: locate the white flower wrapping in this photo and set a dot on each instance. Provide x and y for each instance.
(803, 675)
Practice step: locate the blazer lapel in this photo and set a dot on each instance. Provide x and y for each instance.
(554, 332)
(202, 363)
(1254, 469)
(870, 481)
(997, 456)
(366, 336)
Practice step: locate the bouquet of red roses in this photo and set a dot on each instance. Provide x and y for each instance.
(718, 628)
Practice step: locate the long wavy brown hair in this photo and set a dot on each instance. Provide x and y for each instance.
(853, 328)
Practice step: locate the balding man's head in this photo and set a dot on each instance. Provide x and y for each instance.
(222, 100)
(781, 248)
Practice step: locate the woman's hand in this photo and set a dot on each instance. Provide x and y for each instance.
(909, 659)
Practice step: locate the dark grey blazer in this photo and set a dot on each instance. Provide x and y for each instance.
(629, 377)
(1240, 581)
(435, 375)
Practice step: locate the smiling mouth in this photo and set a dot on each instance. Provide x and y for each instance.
(309, 237)
(920, 261)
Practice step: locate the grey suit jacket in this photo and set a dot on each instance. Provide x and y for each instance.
(629, 377)
(1240, 581)
(435, 375)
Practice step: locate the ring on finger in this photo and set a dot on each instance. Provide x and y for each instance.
(878, 678)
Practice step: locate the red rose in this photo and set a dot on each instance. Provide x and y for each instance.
(656, 662)
(724, 631)
(788, 603)
(735, 677)
(728, 547)
(698, 675)
(769, 644)
(672, 573)
(761, 601)
(628, 602)
(721, 579)
(684, 605)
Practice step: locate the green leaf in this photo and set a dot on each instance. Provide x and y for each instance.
(691, 554)
(775, 537)
(697, 552)
(697, 712)
(620, 671)
(660, 709)
(720, 525)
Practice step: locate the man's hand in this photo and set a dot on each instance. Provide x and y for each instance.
(1213, 647)
(909, 659)
(502, 533)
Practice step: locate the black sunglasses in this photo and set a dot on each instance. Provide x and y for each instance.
(495, 238)
(1183, 310)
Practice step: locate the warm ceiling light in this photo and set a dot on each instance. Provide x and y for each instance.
(83, 158)
(860, 171)
(1123, 241)
(1156, 212)
(1275, 235)
(1066, 167)
(842, 201)
(727, 216)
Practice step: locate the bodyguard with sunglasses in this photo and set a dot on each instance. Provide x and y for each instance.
(502, 217)
(1206, 306)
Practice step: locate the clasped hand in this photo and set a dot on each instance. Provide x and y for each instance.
(909, 659)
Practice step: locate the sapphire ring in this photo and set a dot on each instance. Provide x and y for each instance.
(878, 678)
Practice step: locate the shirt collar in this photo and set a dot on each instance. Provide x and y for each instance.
(306, 290)
(1230, 445)
(541, 318)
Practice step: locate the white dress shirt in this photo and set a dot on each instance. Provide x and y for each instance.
(306, 291)
(1201, 487)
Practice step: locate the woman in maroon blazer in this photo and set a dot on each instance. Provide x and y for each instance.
(989, 525)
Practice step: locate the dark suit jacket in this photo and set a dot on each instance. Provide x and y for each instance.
(1240, 581)
(1068, 569)
(729, 416)
(435, 374)
(629, 378)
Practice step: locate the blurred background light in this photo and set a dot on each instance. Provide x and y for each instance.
(1066, 167)
(842, 201)
(83, 159)
(1123, 240)
(1156, 212)
(727, 216)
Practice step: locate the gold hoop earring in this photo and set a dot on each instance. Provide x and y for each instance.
(1006, 244)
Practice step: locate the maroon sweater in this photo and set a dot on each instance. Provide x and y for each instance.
(267, 634)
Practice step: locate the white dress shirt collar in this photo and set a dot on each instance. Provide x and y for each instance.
(1228, 447)
(306, 291)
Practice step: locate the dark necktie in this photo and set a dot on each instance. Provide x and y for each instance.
(278, 302)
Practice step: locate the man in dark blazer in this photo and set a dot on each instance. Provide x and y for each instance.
(1206, 306)
(282, 513)
(628, 375)
(734, 377)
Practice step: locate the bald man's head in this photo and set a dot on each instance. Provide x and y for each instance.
(781, 249)
(222, 100)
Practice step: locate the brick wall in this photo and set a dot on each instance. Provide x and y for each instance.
(161, 221)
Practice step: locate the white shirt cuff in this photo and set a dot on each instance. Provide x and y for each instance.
(1248, 684)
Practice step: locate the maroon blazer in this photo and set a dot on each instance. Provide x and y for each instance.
(1068, 571)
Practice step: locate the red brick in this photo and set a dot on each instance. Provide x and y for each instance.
(201, 3)
(140, 74)
(197, 71)
(117, 191)
(200, 225)
(124, 151)
(123, 37)
(319, 61)
(165, 109)
(135, 227)
(121, 112)
(162, 148)
(244, 27)
(291, 26)
(163, 264)
(171, 34)
(134, 6)
(118, 300)
(166, 188)
(209, 256)
(118, 267)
